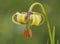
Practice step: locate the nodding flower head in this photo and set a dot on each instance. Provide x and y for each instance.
(31, 18)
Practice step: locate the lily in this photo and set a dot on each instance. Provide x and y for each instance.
(28, 19)
(34, 18)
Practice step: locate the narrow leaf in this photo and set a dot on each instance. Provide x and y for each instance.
(53, 35)
(57, 41)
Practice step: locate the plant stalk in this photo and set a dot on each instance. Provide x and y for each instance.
(46, 19)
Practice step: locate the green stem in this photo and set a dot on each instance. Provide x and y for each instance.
(48, 25)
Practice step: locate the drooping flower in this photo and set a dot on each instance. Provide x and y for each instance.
(28, 19)
(34, 18)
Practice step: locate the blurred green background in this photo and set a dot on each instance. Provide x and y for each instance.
(11, 33)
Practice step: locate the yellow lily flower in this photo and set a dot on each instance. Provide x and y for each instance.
(35, 18)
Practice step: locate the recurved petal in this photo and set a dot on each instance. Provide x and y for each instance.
(36, 19)
(21, 18)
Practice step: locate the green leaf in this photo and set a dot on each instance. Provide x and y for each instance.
(48, 41)
(53, 35)
(57, 41)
